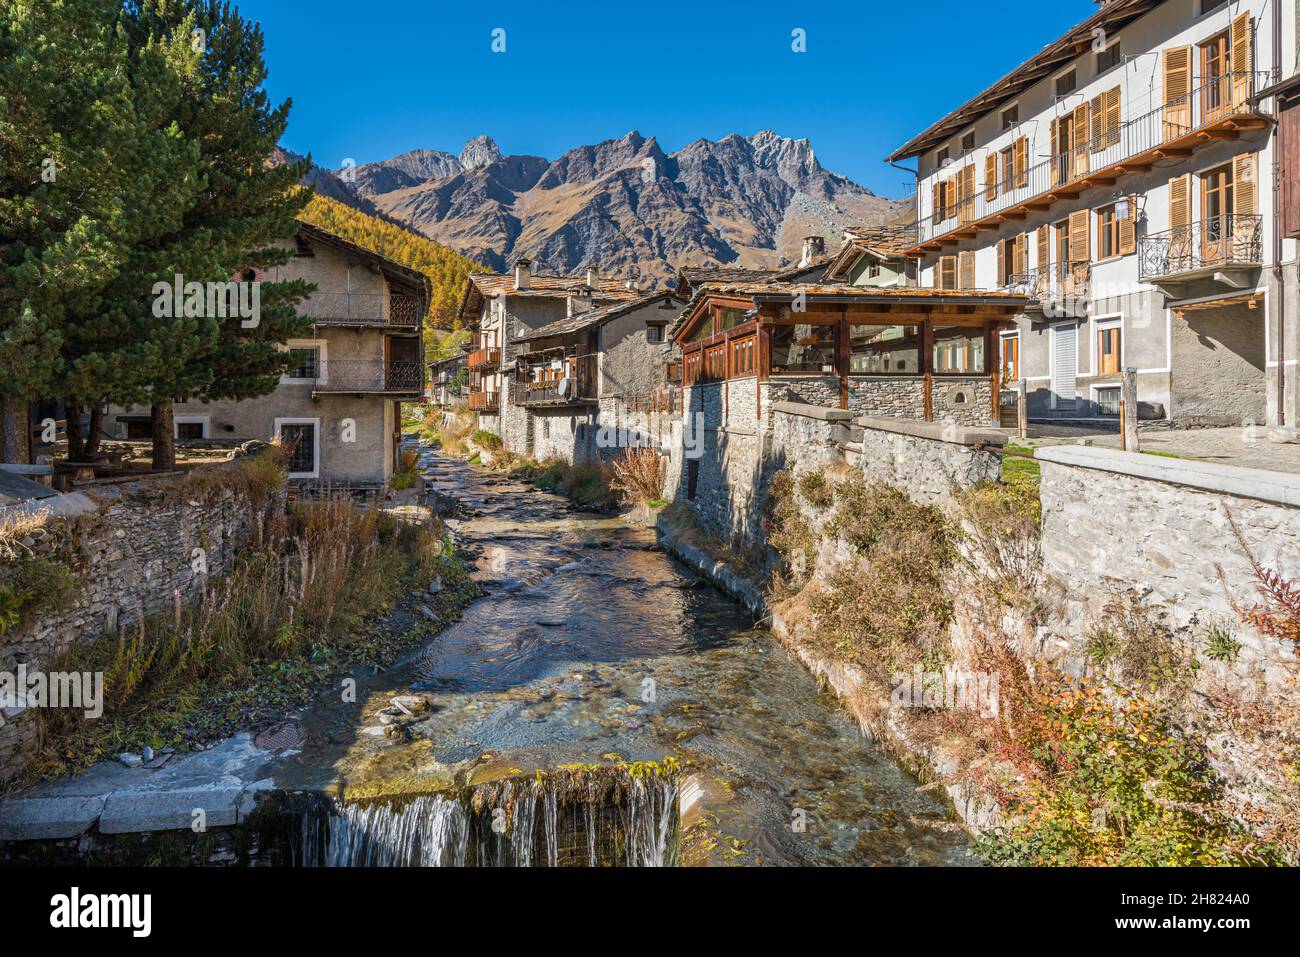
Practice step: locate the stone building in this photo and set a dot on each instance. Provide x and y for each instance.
(339, 407)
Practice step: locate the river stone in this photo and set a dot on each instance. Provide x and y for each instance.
(130, 812)
(131, 760)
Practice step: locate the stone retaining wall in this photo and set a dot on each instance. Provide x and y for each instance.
(133, 549)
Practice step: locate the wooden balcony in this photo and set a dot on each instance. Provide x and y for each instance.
(568, 380)
(1213, 112)
(484, 359)
(362, 309)
(484, 402)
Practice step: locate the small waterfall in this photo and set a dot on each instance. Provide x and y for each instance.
(621, 816)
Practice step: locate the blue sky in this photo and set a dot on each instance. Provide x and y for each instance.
(370, 80)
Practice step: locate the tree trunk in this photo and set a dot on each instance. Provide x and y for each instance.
(76, 448)
(14, 431)
(96, 425)
(164, 437)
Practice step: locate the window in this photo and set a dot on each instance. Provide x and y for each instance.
(743, 361)
(1107, 232)
(703, 331)
(731, 317)
(879, 350)
(873, 271)
(1108, 351)
(1215, 76)
(1208, 5)
(942, 157)
(958, 350)
(968, 142)
(654, 334)
(299, 438)
(1066, 83)
(945, 273)
(306, 363)
(691, 366)
(1008, 166)
(1010, 358)
(803, 348)
(1216, 202)
(1108, 400)
(1010, 116)
(191, 428)
(1108, 57)
(715, 364)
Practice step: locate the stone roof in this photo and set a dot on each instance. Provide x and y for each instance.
(482, 286)
(594, 317)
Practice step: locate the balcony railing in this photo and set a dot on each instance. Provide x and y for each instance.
(484, 359)
(1056, 283)
(484, 402)
(1219, 241)
(347, 308)
(572, 382)
(1172, 125)
(369, 375)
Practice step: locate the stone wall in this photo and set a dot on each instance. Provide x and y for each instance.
(901, 396)
(1169, 527)
(132, 549)
(964, 400)
(927, 460)
(823, 390)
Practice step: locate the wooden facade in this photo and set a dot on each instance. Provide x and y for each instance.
(729, 336)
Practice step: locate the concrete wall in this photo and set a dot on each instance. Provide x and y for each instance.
(131, 549)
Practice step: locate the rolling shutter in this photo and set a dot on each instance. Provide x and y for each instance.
(1243, 60)
(1178, 90)
(1065, 365)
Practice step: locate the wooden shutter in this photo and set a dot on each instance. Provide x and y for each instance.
(1079, 133)
(1080, 237)
(947, 272)
(1044, 248)
(1022, 162)
(1243, 60)
(1245, 201)
(1110, 121)
(1178, 91)
(1003, 277)
(1020, 256)
(936, 202)
(1097, 107)
(966, 269)
(991, 177)
(966, 193)
(1180, 209)
(1128, 229)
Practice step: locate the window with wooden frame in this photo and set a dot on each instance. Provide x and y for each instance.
(1066, 83)
(966, 194)
(803, 347)
(1216, 88)
(1008, 164)
(1010, 116)
(1108, 58)
(1010, 346)
(672, 372)
(691, 366)
(743, 354)
(1107, 232)
(703, 331)
(958, 350)
(1108, 351)
(654, 334)
(945, 273)
(715, 363)
(884, 350)
(942, 157)
(968, 142)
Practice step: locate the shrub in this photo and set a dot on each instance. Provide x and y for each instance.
(33, 586)
(487, 440)
(639, 476)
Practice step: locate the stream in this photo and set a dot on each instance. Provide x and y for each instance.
(594, 646)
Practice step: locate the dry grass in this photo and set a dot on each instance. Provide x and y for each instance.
(15, 528)
(639, 475)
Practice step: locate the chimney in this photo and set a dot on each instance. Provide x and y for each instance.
(577, 305)
(523, 274)
(593, 277)
(813, 248)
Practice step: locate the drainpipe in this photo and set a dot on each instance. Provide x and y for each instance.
(916, 191)
(1278, 273)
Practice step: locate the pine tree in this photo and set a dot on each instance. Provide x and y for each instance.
(89, 168)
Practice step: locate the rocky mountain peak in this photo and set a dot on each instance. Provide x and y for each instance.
(480, 151)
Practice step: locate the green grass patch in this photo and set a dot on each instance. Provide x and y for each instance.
(1017, 470)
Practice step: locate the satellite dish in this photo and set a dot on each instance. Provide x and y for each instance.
(566, 388)
(947, 161)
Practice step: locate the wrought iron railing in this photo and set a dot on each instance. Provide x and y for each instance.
(1219, 241)
(1055, 283)
(369, 375)
(484, 359)
(348, 308)
(1205, 105)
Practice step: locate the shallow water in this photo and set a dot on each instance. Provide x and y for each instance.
(594, 645)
